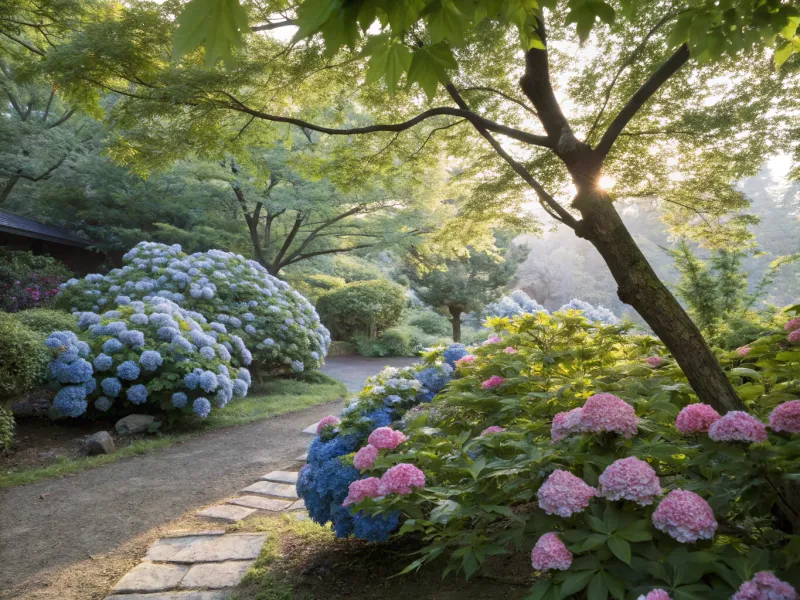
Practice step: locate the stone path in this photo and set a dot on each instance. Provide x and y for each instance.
(353, 370)
(208, 565)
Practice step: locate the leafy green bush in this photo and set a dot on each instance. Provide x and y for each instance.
(28, 280)
(353, 268)
(45, 320)
(430, 322)
(6, 428)
(23, 358)
(313, 286)
(340, 348)
(527, 440)
(365, 307)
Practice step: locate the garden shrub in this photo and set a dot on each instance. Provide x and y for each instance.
(340, 348)
(324, 480)
(353, 268)
(313, 286)
(46, 320)
(145, 357)
(23, 359)
(28, 280)
(582, 444)
(6, 428)
(278, 325)
(366, 307)
(430, 322)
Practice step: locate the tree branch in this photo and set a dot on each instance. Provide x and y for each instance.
(313, 234)
(330, 251)
(47, 108)
(549, 203)
(667, 69)
(271, 26)
(62, 119)
(288, 241)
(46, 174)
(628, 62)
(23, 43)
(430, 135)
(520, 136)
(517, 101)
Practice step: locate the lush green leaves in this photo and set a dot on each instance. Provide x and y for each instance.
(216, 24)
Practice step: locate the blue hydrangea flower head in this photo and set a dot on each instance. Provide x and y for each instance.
(80, 371)
(201, 407)
(70, 401)
(223, 353)
(208, 381)
(239, 388)
(452, 353)
(138, 319)
(207, 352)
(179, 399)
(137, 394)
(375, 528)
(111, 386)
(297, 366)
(132, 338)
(128, 370)
(151, 360)
(103, 403)
(112, 346)
(244, 375)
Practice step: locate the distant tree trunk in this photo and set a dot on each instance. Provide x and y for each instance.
(639, 286)
(455, 320)
(6, 192)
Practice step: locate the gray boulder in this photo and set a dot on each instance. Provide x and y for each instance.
(133, 424)
(99, 443)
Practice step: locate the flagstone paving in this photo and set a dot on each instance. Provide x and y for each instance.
(281, 476)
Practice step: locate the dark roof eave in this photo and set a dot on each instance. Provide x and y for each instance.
(39, 236)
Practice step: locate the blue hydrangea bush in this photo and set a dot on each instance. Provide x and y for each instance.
(390, 398)
(276, 327)
(146, 356)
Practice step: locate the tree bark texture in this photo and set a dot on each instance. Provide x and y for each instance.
(455, 320)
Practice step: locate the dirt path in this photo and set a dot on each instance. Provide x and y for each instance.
(353, 370)
(49, 526)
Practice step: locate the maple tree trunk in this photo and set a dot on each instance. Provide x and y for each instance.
(639, 286)
(456, 322)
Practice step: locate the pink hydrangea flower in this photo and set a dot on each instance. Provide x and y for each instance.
(743, 351)
(386, 438)
(792, 324)
(738, 426)
(685, 516)
(606, 412)
(325, 421)
(696, 418)
(794, 337)
(629, 479)
(563, 494)
(653, 361)
(400, 479)
(765, 586)
(550, 553)
(510, 350)
(655, 595)
(786, 417)
(492, 382)
(492, 339)
(365, 457)
(492, 429)
(465, 360)
(566, 423)
(362, 488)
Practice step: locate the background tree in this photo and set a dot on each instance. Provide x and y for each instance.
(462, 284)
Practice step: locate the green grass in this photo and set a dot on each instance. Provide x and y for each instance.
(274, 397)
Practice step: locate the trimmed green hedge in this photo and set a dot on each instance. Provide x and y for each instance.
(362, 307)
(23, 357)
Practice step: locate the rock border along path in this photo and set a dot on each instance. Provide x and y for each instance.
(208, 565)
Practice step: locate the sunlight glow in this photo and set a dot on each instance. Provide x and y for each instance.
(606, 182)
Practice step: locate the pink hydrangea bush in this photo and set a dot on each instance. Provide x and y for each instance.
(510, 350)
(362, 488)
(654, 361)
(565, 424)
(606, 412)
(325, 422)
(629, 479)
(493, 382)
(658, 594)
(492, 339)
(743, 351)
(685, 516)
(786, 417)
(765, 586)
(364, 458)
(738, 426)
(564, 494)
(401, 479)
(550, 553)
(465, 360)
(696, 418)
(794, 337)
(792, 324)
(386, 438)
(492, 429)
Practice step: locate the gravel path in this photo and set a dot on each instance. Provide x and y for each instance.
(353, 370)
(52, 524)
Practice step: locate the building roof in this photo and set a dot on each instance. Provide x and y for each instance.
(14, 224)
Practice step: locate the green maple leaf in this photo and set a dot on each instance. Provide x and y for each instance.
(216, 24)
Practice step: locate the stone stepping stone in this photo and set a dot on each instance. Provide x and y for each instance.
(180, 533)
(216, 575)
(188, 595)
(261, 503)
(269, 488)
(299, 505)
(197, 549)
(302, 457)
(226, 512)
(281, 476)
(312, 429)
(151, 577)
